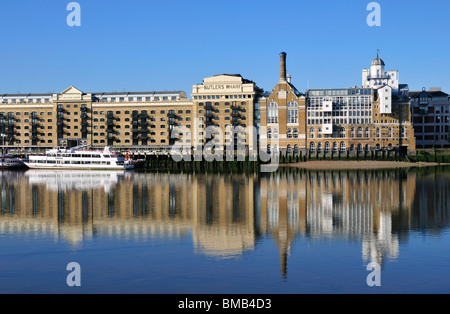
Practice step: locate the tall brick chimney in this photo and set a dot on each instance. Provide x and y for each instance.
(283, 67)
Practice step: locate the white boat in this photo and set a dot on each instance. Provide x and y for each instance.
(79, 159)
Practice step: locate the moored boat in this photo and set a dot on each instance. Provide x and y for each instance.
(77, 158)
(8, 162)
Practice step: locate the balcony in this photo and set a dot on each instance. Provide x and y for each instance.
(235, 113)
(209, 114)
(209, 106)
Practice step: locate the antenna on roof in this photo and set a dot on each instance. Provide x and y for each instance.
(378, 53)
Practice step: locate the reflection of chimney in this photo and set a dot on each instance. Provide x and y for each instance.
(283, 67)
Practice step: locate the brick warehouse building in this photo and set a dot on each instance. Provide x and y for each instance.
(375, 116)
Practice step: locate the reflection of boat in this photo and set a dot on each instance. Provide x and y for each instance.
(57, 180)
(11, 163)
(138, 163)
(79, 159)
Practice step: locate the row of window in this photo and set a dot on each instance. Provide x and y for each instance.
(225, 118)
(291, 133)
(25, 101)
(328, 147)
(340, 121)
(220, 97)
(359, 133)
(137, 99)
(144, 112)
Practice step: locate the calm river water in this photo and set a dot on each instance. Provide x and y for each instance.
(282, 233)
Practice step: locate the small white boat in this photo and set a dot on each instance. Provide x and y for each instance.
(79, 159)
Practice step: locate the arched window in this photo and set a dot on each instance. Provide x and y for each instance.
(390, 132)
(312, 146)
(342, 146)
(378, 132)
(292, 113)
(272, 113)
(360, 132)
(269, 133)
(367, 132)
(352, 132)
(312, 133)
(296, 149)
(327, 147)
(295, 133)
(289, 133)
(289, 148)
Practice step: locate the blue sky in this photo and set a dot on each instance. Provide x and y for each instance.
(140, 45)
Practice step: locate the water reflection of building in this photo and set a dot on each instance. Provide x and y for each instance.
(77, 206)
(431, 208)
(225, 215)
(283, 211)
(362, 206)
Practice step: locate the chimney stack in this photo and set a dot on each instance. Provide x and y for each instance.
(283, 67)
